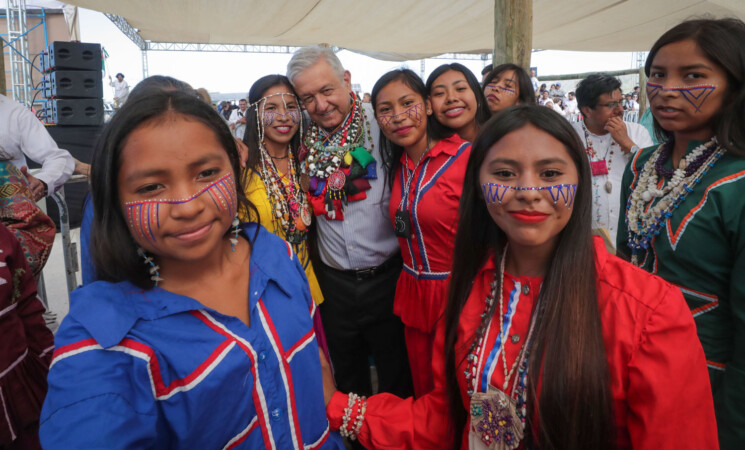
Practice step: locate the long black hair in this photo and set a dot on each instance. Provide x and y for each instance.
(390, 152)
(721, 40)
(482, 108)
(524, 84)
(113, 250)
(567, 353)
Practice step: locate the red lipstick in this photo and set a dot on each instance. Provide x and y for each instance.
(529, 216)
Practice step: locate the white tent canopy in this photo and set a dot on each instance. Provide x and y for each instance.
(407, 29)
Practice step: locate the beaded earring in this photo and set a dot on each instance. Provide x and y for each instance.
(154, 268)
(235, 231)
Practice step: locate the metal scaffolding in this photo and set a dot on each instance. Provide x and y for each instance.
(17, 43)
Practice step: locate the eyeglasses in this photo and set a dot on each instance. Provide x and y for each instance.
(612, 105)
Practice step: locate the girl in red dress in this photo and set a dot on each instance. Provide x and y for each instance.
(425, 163)
(547, 340)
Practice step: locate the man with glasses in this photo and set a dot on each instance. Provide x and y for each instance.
(237, 119)
(609, 142)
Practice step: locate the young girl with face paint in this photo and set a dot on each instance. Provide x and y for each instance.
(457, 100)
(684, 202)
(200, 332)
(507, 85)
(547, 341)
(425, 163)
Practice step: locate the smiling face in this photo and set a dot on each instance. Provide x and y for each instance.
(279, 115)
(400, 112)
(503, 91)
(323, 94)
(529, 158)
(686, 89)
(453, 102)
(177, 189)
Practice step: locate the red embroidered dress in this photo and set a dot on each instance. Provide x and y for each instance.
(432, 202)
(659, 381)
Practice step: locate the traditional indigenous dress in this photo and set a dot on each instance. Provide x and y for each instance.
(698, 244)
(18, 211)
(281, 209)
(659, 383)
(428, 194)
(26, 346)
(153, 369)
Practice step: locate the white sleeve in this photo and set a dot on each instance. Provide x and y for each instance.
(639, 135)
(233, 116)
(36, 143)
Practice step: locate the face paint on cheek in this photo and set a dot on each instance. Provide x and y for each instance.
(414, 113)
(494, 192)
(695, 95)
(143, 217)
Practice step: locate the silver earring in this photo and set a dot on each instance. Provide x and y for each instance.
(235, 231)
(154, 268)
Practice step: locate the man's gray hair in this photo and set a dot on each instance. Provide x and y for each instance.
(308, 56)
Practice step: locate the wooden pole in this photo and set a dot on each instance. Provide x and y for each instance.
(513, 32)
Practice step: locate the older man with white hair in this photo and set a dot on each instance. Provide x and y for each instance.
(359, 254)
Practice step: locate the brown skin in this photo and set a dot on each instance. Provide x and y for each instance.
(35, 184)
(276, 142)
(393, 100)
(603, 120)
(173, 159)
(454, 104)
(531, 245)
(498, 98)
(683, 64)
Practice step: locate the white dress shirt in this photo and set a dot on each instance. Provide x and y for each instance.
(22, 134)
(606, 206)
(240, 128)
(365, 237)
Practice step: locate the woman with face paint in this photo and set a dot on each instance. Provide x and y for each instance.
(547, 341)
(200, 332)
(507, 85)
(684, 202)
(272, 178)
(425, 163)
(457, 100)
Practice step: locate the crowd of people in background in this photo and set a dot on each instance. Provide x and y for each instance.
(521, 266)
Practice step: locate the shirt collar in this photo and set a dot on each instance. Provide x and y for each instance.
(449, 146)
(109, 310)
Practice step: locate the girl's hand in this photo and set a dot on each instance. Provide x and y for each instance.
(329, 387)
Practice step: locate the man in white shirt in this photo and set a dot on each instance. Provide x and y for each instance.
(609, 142)
(237, 119)
(21, 135)
(571, 104)
(121, 89)
(534, 80)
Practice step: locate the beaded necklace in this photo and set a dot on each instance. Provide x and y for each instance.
(325, 155)
(645, 222)
(510, 435)
(599, 166)
(289, 203)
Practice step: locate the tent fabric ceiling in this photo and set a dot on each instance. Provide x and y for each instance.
(407, 29)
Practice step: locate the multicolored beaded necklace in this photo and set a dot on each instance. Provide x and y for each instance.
(599, 166)
(332, 163)
(497, 425)
(289, 204)
(645, 222)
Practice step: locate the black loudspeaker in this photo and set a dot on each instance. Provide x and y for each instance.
(60, 55)
(79, 141)
(87, 111)
(73, 84)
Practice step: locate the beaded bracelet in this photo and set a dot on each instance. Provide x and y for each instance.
(361, 404)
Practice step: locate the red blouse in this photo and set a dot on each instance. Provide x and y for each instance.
(659, 381)
(432, 203)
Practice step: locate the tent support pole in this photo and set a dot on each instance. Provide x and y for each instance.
(513, 32)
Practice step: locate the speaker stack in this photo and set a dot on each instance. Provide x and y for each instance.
(72, 84)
